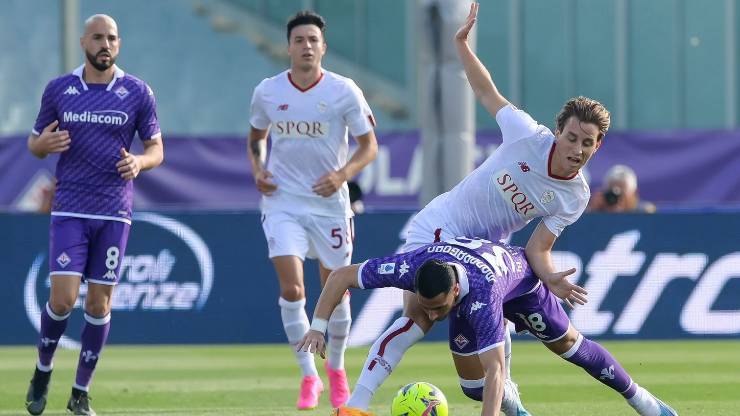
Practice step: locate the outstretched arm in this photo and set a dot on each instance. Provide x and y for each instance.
(336, 285)
(538, 253)
(478, 76)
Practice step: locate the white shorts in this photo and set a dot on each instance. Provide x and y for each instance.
(329, 239)
(426, 229)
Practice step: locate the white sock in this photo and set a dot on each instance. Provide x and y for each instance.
(644, 403)
(295, 323)
(507, 350)
(399, 337)
(338, 332)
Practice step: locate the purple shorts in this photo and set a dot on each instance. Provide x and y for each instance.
(540, 313)
(90, 248)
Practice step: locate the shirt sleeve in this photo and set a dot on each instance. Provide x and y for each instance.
(488, 323)
(147, 123)
(557, 223)
(355, 111)
(47, 111)
(258, 116)
(515, 124)
(392, 271)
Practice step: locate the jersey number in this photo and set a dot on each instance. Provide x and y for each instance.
(534, 321)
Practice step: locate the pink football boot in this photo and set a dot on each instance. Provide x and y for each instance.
(311, 388)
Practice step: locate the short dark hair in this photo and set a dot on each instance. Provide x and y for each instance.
(306, 17)
(434, 277)
(586, 110)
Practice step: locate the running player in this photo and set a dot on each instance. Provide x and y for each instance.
(90, 118)
(477, 284)
(306, 212)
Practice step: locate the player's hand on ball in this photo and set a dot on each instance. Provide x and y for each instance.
(264, 184)
(129, 166)
(50, 141)
(328, 184)
(313, 342)
(564, 289)
(462, 33)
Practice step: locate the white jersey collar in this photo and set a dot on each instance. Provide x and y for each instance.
(462, 278)
(117, 73)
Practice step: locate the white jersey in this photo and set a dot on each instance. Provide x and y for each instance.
(308, 132)
(512, 187)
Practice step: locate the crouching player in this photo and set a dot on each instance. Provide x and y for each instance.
(479, 283)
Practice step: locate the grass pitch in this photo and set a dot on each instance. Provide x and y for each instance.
(697, 378)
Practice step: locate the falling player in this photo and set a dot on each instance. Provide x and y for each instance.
(477, 284)
(533, 174)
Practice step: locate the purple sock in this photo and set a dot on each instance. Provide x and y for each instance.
(94, 335)
(597, 361)
(52, 328)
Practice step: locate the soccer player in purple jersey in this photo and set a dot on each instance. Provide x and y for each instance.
(477, 284)
(89, 117)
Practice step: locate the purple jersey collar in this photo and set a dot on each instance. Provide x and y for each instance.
(117, 73)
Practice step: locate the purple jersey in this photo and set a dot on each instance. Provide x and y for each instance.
(489, 273)
(101, 119)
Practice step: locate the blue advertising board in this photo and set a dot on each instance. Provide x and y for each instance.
(206, 278)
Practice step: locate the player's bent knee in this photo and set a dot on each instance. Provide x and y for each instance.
(473, 388)
(61, 306)
(97, 308)
(293, 293)
(474, 393)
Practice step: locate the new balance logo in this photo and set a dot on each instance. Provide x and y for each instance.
(476, 305)
(89, 356)
(48, 341)
(283, 107)
(607, 373)
(523, 166)
(71, 90)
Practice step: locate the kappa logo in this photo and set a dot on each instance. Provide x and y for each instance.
(71, 90)
(387, 268)
(110, 275)
(403, 269)
(476, 305)
(524, 167)
(63, 260)
(121, 92)
(607, 373)
(282, 107)
(461, 341)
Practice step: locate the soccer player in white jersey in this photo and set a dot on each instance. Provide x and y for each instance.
(306, 212)
(533, 174)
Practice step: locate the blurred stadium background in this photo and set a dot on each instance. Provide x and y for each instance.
(664, 287)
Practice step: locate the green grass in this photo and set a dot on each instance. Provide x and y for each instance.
(696, 378)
